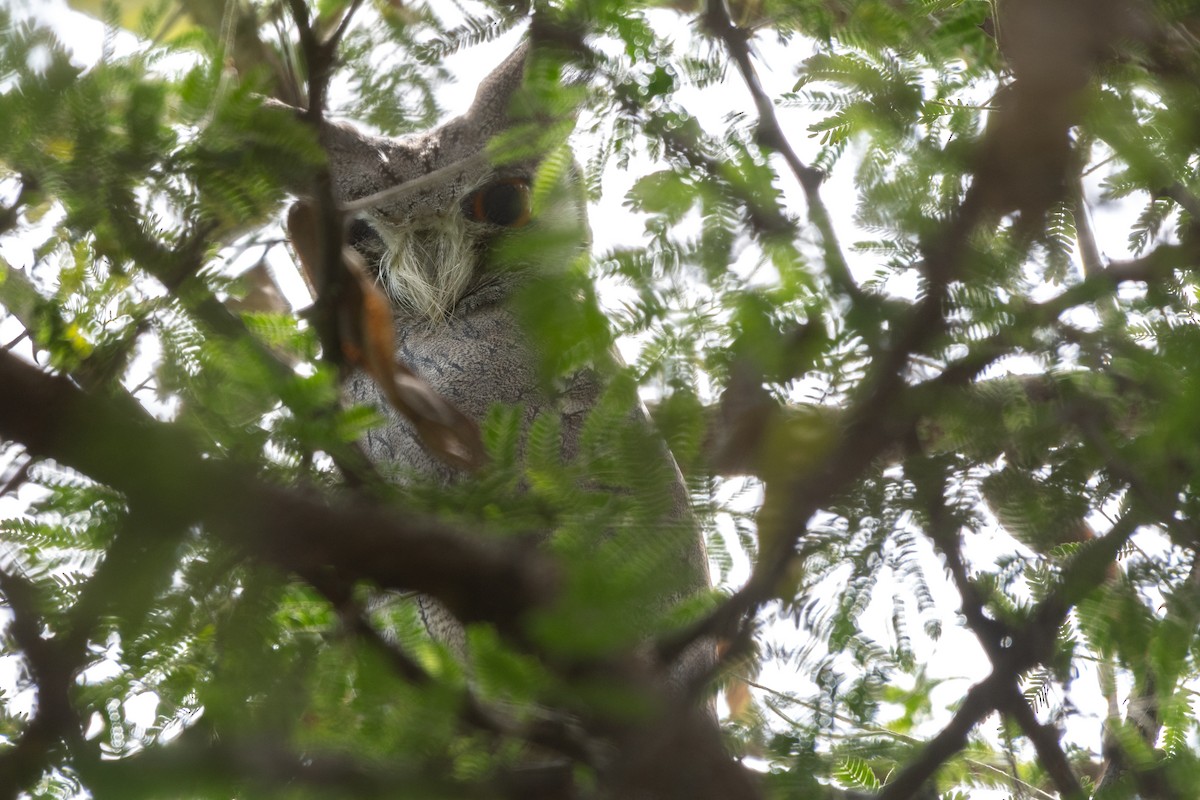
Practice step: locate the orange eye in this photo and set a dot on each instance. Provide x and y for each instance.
(505, 202)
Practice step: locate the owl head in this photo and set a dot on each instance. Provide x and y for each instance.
(431, 211)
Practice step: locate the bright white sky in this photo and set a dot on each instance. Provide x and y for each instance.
(956, 657)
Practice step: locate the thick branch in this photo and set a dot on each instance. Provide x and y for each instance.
(227, 766)
(53, 672)
(1032, 645)
(159, 469)
(979, 702)
(1046, 741)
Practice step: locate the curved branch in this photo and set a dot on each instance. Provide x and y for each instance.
(159, 469)
(770, 133)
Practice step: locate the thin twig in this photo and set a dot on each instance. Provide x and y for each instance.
(834, 714)
(414, 185)
(22, 336)
(770, 133)
(335, 39)
(402, 664)
(1089, 251)
(943, 530)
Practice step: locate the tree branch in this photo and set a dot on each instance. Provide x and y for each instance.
(225, 766)
(717, 21)
(1046, 742)
(944, 531)
(53, 671)
(159, 469)
(979, 702)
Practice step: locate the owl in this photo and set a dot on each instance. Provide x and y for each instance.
(434, 215)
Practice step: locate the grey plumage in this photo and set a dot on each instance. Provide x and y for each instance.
(424, 225)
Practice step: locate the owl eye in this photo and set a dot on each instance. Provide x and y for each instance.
(505, 202)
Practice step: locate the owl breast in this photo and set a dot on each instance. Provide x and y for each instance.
(478, 357)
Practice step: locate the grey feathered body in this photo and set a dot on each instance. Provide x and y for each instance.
(477, 358)
(453, 321)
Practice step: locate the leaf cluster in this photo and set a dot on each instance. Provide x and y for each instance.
(976, 423)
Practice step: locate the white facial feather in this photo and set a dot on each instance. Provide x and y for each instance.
(432, 259)
(427, 267)
(429, 248)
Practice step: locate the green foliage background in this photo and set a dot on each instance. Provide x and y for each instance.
(995, 378)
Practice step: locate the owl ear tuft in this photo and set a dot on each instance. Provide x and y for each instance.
(496, 90)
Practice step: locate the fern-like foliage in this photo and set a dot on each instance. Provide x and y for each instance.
(946, 474)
